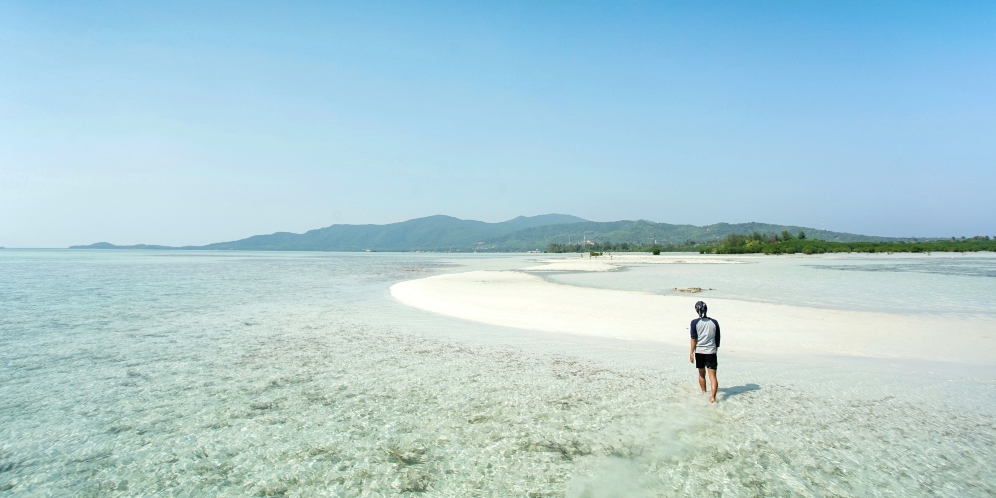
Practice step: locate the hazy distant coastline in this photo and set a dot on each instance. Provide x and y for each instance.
(447, 234)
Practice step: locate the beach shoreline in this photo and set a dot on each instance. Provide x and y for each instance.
(523, 300)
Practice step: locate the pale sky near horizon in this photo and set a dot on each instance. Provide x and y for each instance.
(195, 122)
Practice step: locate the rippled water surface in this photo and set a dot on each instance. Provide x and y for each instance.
(254, 374)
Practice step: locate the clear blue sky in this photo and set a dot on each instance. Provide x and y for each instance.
(197, 122)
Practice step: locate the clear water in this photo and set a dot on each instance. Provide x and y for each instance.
(909, 284)
(259, 374)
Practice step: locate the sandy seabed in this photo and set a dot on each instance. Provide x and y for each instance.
(145, 373)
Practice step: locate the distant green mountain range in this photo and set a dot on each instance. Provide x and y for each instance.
(445, 233)
(647, 233)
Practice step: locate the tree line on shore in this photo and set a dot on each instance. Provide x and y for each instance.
(786, 243)
(688, 246)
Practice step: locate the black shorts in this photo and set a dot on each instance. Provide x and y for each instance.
(705, 361)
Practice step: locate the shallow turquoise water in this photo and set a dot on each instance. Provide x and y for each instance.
(209, 373)
(951, 283)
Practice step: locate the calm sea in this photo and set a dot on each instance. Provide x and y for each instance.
(131, 373)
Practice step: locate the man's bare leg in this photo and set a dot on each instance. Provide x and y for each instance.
(702, 379)
(713, 381)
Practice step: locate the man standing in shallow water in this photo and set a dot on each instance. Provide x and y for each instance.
(705, 342)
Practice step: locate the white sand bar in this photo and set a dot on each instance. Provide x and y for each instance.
(574, 265)
(615, 261)
(519, 300)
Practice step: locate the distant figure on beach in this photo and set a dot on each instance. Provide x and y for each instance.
(705, 342)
